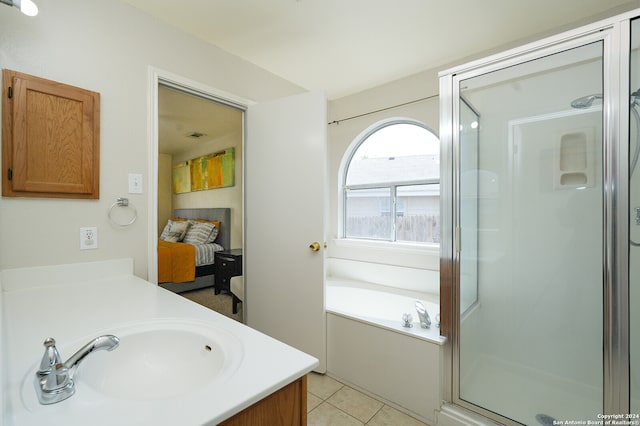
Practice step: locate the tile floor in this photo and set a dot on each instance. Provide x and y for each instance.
(331, 403)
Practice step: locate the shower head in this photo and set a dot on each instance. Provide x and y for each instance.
(585, 101)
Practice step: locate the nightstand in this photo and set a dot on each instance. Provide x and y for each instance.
(227, 264)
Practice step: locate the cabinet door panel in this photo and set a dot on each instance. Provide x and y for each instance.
(52, 145)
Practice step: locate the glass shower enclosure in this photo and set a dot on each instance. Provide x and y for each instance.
(537, 159)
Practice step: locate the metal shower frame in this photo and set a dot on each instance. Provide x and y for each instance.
(615, 34)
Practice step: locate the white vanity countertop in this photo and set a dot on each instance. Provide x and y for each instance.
(74, 307)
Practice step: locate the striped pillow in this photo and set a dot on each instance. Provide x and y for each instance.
(214, 233)
(200, 233)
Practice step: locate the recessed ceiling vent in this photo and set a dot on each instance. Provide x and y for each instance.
(196, 135)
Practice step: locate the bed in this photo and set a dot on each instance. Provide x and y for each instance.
(186, 259)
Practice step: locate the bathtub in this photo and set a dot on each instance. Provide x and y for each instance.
(370, 350)
(382, 306)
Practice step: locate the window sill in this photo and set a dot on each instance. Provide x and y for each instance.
(404, 247)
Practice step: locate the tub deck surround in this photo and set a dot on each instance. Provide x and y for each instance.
(39, 302)
(382, 306)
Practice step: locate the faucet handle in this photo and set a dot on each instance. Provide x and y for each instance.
(57, 379)
(50, 358)
(425, 319)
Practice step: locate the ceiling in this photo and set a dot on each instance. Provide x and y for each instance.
(346, 46)
(180, 115)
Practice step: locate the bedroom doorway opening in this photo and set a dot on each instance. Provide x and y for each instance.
(191, 127)
(196, 126)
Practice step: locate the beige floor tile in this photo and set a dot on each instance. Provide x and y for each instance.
(328, 415)
(312, 401)
(388, 416)
(322, 385)
(355, 403)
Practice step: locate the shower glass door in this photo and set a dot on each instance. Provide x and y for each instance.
(469, 141)
(531, 236)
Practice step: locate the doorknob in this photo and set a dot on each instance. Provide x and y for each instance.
(314, 246)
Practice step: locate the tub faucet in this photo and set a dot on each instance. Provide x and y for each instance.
(423, 315)
(54, 378)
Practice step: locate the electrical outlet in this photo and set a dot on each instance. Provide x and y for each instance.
(88, 238)
(135, 183)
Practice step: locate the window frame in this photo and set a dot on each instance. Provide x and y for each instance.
(343, 190)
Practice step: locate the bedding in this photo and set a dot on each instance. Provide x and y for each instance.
(187, 245)
(176, 262)
(205, 253)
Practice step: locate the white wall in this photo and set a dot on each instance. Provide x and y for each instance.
(341, 135)
(106, 46)
(165, 190)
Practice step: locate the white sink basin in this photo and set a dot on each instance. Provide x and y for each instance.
(156, 359)
(160, 359)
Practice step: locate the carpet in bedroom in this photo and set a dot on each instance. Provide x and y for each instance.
(221, 303)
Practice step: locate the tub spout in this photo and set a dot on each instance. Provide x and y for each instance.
(423, 315)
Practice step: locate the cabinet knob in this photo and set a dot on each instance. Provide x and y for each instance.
(315, 246)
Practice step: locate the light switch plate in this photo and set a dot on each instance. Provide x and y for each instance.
(135, 183)
(88, 238)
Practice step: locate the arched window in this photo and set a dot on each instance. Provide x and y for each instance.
(391, 184)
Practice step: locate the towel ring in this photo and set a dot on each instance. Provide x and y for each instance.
(122, 202)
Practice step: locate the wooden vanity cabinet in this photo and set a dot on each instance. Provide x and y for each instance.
(284, 407)
(50, 138)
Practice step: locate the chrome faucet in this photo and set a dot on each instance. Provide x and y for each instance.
(423, 315)
(54, 378)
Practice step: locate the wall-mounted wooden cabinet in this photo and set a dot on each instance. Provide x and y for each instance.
(50, 138)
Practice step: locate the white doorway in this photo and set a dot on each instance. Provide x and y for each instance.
(284, 140)
(165, 84)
